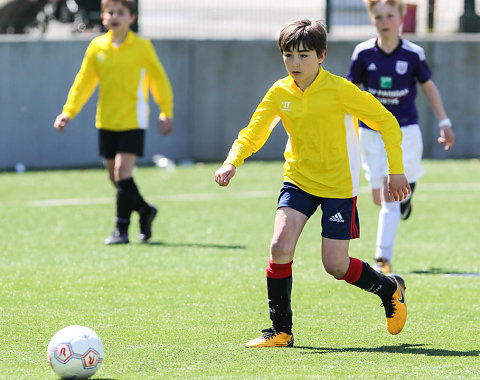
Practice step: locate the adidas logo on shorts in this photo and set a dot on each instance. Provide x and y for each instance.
(337, 218)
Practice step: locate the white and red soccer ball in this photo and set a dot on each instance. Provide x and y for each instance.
(75, 352)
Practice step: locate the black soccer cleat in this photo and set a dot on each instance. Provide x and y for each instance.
(406, 209)
(406, 206)
(147, 214)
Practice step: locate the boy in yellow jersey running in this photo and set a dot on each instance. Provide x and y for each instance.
(125, 66)
(319, 112)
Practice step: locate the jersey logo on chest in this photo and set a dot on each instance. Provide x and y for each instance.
(401, 67)
(286, 106)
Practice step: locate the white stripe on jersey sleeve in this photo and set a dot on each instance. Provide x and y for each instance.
(365, 45)
(410, 46)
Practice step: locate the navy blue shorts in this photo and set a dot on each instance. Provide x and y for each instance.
(110, 143)
(339, 216)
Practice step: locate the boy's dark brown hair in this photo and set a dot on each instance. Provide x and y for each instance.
(311, 34)
(130, 4)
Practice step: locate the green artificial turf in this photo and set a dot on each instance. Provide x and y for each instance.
(184, 305)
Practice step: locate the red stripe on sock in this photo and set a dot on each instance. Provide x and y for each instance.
(279, 270)
(354, 271)
(354, 234)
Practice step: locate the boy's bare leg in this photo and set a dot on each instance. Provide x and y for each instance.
(289, 224)
(335, 256)
(120, 167)
(124, 164)
(110, 167)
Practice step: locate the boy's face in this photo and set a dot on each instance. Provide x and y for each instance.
(386, 19)
(302, 65)
(117, 17)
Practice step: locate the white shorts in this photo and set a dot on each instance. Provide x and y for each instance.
(374, 157)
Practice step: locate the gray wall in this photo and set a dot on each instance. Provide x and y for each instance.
(217, 85)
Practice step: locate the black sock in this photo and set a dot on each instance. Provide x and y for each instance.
(375, 282)
(279, 303)
(127, 195)
(122, 226)
(139, 202)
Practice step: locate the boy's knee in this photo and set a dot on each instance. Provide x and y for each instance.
(335, 257)
(121, 172)
(281, 252)
(335, 268)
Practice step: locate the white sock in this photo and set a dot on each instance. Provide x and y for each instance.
(388, 219)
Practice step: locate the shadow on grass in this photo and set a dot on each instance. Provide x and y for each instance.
(447, 272)
(197, 245)
(405, 348)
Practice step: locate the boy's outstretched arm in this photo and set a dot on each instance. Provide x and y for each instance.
(398, 186)
(225, 174)
(447, 137)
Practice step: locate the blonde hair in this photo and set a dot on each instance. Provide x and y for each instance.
(394, 3)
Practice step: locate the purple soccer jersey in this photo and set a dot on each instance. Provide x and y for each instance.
(391, 78)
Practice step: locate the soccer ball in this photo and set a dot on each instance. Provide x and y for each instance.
(75, 352)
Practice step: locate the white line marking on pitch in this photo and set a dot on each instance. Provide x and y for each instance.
(425, 189)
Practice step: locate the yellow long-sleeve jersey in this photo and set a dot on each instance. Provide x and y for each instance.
(125, 74)
(322, 155)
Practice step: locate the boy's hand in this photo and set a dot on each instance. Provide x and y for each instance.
(61, 121)
(398, 186)
(225, 174)
(447, 137)
(165, 125)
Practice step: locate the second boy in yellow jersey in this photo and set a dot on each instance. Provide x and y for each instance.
(322, 166)
(126, 67)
